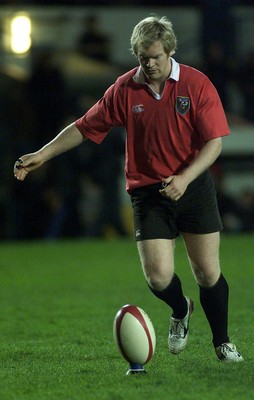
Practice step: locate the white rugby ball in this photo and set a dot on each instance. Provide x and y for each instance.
(134, 334)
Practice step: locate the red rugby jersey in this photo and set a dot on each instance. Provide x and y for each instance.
(164, 133)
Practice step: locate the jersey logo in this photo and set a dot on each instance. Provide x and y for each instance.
(137, 233)
(138, 108)
(182, 104)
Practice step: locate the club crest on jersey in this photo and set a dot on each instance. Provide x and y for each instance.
(182, 104)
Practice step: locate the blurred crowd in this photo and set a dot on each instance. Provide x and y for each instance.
(80, 193)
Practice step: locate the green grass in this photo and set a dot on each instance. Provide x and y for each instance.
(58, 303)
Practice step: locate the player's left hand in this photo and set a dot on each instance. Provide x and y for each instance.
(175, 186)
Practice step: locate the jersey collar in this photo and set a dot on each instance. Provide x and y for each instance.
(175, 73)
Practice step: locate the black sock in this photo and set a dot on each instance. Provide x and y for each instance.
(173, 296)
(214, 301)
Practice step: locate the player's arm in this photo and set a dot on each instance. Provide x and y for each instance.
(67, 139)
(206, 157)
(177, 184)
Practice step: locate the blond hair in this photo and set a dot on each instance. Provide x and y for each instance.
(150, 30)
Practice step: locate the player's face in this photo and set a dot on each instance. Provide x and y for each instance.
(155, 62)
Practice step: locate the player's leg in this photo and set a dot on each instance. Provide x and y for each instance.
(155, 242)
(203, 253)
(155, 230)
(157, 259)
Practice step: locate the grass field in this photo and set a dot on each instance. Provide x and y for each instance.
(58, 303)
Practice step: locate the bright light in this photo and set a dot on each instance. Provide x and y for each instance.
(20, 34)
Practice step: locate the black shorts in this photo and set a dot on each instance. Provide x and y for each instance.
(156, 216)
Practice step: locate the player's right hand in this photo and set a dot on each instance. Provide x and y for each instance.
(26, 164)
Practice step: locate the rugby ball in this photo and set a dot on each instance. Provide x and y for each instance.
(134, 334)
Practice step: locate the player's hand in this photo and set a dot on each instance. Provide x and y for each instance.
(175, 187)
(26, 164)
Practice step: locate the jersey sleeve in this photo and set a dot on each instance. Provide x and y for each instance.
(99, 119)
(211, 120)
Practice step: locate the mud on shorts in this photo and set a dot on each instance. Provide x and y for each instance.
(156, 216)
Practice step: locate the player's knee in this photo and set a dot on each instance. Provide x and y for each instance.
(207, 278)
(159, 281)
